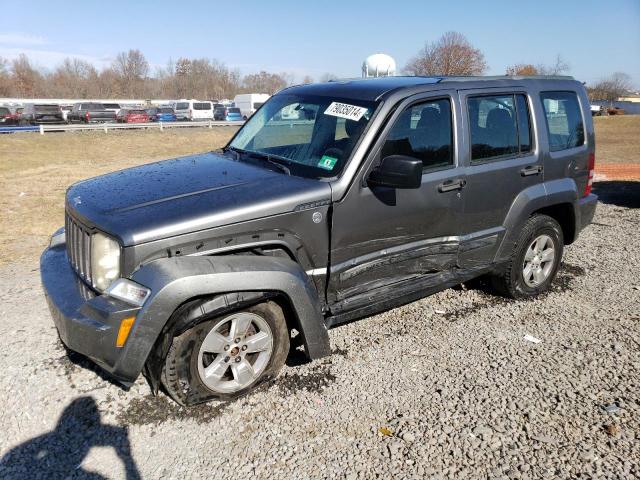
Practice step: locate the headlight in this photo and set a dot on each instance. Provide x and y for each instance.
(128, 291)
(105, 260)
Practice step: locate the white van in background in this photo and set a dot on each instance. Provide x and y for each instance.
(248, 103)
(193, 110)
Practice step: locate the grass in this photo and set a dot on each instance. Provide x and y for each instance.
(617, 139)
(36, 170)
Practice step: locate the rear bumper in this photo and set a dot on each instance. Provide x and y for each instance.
(586, 209)
(87, 323)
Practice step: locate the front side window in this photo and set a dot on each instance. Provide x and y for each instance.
(312, 135)
(564, 120)
(423, 131)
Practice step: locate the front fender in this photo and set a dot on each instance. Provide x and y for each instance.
(173, 281)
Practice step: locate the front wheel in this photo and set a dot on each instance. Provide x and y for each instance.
(227, 356)
(535, 259)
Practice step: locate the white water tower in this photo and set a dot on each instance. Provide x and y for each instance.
(378, 65)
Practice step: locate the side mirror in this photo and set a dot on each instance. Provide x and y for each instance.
(397, 171)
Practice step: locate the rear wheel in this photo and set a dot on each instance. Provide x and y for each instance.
(227, 356)
(535, 259)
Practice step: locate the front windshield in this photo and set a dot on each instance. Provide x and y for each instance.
(312, 135)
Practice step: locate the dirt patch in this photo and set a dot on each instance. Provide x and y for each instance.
(153, 410)
(314, 381)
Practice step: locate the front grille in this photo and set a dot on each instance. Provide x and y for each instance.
(78, 240)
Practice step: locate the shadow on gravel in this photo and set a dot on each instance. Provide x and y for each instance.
(59, 453)
(620, 193)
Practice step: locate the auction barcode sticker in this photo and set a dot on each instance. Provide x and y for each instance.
(344, 110)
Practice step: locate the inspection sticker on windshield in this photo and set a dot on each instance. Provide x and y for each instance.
(344, 110)
(327, 162)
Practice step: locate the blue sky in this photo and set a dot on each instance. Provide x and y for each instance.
(595, 37)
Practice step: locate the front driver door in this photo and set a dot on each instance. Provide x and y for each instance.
(389, 243)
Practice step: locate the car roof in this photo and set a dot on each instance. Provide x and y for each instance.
(374, 89)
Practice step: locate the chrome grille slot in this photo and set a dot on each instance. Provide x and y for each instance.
(79, 248)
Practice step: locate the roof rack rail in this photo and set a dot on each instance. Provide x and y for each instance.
(505, 77)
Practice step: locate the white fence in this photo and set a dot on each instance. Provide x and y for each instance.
(42, 129)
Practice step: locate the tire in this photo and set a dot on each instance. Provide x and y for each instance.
(539, 234)
(184, 374)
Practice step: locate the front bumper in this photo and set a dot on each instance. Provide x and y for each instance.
(86, 322)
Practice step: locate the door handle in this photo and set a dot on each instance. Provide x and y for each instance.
(531, 170)
(450, 185)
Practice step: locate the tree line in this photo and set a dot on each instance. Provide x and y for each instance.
(129, 75)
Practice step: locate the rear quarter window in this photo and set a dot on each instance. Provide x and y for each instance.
(563, 117)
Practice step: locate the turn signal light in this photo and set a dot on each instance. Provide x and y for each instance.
(124, 330)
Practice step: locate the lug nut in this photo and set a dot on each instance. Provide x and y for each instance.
(226, 347)
(238, 359)
(226, 359)
(238, 340)
(244, 347)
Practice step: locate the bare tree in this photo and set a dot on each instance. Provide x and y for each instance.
(611, 88)
(307, 79)
(264, 82)
(559, 67)
(26, 79)
(132, 69)
(451, 54)
(5, 78)
(522, 69)
(73, 78)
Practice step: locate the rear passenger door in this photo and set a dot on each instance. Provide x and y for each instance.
(501, 160)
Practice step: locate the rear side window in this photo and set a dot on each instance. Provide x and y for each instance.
(182, 106)
(423, 131)
(500, 126)
(564, 120)
(202, 106)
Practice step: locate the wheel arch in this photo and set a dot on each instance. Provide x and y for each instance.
(184, 288)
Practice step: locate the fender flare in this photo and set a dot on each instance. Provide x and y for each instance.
(530, 200)
(174, 281)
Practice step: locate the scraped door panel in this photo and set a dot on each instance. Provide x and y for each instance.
(387, 241)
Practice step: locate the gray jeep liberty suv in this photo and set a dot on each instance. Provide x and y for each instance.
(333, 202)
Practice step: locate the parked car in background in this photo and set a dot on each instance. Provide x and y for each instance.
(248, 103)
(193, 110)
(219, 112)
(36, 114)
(90, 113)
(233, 115)
(112, 107)
(7, 117)
(127, 115)
(161, 114)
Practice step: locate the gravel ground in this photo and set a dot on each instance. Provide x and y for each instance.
(443, 387)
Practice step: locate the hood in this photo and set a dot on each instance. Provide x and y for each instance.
(187, 194)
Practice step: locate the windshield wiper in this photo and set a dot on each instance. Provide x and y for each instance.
(267, 157)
